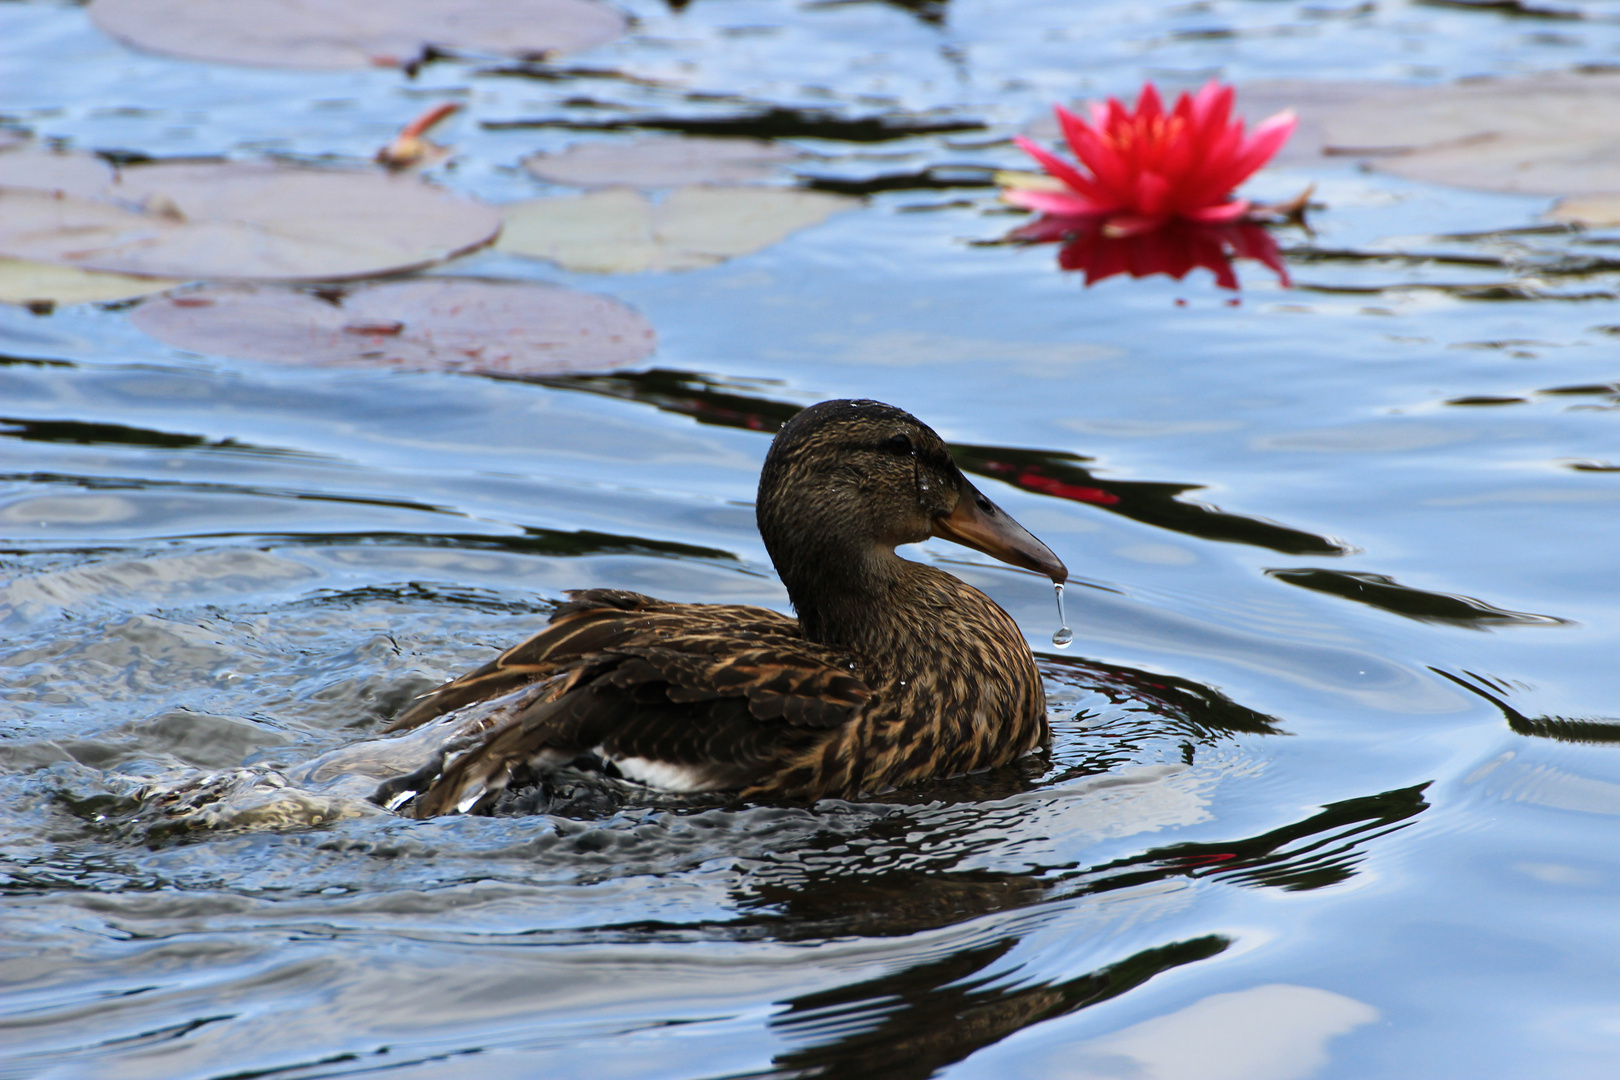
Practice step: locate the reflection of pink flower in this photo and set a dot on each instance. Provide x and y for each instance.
(1174, 248)
(1150, 166)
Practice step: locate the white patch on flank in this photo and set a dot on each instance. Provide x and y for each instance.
(470, 797)
(668, 776)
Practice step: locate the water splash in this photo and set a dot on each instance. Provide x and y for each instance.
(1064, 635)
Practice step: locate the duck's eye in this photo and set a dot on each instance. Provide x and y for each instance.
(900, 444)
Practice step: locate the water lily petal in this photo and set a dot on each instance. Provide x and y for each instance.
(1113, 177)
(1219, 214)
(1264, 142)
(1147, 164)
(1052, 202)
(1153, 195)
(1121, 226)
(1148, 106)
(1115, 119)
(1216, 173)
(1058, 167)
(1212, 106)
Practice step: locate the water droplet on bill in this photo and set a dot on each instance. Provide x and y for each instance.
(1064, 635)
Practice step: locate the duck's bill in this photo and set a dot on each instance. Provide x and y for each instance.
(980, 524)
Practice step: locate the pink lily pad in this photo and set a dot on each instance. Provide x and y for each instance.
(661, 161)
(30, 166)
(245, 220)
(354, 33)
(1549, 134)
(424, 324)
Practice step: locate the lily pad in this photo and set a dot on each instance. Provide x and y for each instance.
(354, 33)
(424, 324)
(246, 220)
(1551, 134)
(1592, 211)
(619, 231)
(73, 173)
(661, 161)
(34, 284)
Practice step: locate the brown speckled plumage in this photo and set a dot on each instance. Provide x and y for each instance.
(894, 671)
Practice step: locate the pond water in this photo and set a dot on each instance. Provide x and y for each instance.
(1334, 778)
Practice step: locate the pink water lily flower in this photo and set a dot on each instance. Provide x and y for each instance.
(1149, 166)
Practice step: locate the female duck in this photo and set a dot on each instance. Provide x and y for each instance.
(894, 672)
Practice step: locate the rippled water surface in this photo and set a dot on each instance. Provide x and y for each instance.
(1333, 784)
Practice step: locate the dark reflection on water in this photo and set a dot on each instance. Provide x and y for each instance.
(81, 433)
(31, 361)
(1547, 273)
(1150, 502)
(772, 123)
(533, 541)
(1560, 728)
(933, 178)
(1313, 853)
(837, 883)
(1387, 594)
(1058, 474)
(931, 12)
(1184, 706)
(910, 1024)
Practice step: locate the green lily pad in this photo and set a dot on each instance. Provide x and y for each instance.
(618, 231)
(423, 324)
(354, 33)
(661, 161)
(245, 220)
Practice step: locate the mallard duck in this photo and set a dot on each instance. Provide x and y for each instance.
(893, 672)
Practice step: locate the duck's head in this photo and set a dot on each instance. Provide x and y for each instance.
(847, 481)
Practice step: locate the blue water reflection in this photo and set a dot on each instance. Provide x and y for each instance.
(1335, 740)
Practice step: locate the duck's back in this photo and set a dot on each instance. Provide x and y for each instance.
(685, 697)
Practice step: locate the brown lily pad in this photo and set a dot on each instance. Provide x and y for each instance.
(1550, 134)
(661, 161)
(618, 231)
(245, 220)
(354, 33)
(424, 324)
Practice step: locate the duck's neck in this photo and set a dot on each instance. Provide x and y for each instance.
(876, 602)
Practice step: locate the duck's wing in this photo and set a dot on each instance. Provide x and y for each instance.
(590, 621)
(682, 697)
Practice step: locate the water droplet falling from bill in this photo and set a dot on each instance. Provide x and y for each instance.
(1064, 635)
